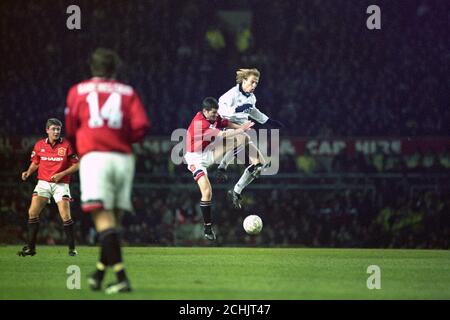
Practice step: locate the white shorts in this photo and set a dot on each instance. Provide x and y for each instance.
(198, 162)
(106, 180)
(59, 191)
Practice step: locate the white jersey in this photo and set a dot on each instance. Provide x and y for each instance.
(234, 98)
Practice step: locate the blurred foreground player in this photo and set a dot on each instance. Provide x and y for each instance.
(104, 117)
(204, 146)
(55, 160)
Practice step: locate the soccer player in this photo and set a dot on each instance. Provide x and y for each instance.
(204, 146)
(238, 105)
(55, 160)
(104, 117)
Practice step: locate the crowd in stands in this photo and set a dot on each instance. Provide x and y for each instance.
(364, 217)
(323, 72)
(365, 210)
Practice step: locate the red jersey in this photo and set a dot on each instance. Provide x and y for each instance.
(53, 159)
(104, 115)
(202, 132)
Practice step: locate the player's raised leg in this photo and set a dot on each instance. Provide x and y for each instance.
(37, 204)
(239, 144)
(252, 172)
(221, 175)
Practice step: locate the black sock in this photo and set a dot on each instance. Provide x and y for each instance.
(205, 206)
(112, 253)
(120, 273)
(100, 271)
(101, 265)
(33, 228)
(68, 229)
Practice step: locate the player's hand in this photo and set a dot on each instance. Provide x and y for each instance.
(55, 178)
(247, 125)
(25, 175)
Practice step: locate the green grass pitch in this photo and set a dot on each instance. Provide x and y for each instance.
(208, 273)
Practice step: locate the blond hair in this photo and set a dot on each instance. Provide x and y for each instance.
(242, 74)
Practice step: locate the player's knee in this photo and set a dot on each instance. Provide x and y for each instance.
(65, 216)
(103, 219)
(33, 213)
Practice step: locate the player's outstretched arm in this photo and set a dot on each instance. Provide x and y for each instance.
(234, 132)
(247, 125)
(232, 125)
(31, 169)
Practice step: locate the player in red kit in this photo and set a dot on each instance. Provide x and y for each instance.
(104, 117)
(55, 160)
(204, 146)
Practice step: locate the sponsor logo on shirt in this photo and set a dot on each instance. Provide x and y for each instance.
(57, 159)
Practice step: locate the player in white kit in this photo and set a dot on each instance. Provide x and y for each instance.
(238, 105)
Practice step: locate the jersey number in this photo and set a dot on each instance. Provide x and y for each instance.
(110, 111)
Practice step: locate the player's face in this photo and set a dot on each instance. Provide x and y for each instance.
(210, 115)
(250, 83)
(53, 132)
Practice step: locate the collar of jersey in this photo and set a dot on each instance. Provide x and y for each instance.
(247, 94)
(57, 141)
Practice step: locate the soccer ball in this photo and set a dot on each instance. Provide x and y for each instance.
(253, 224)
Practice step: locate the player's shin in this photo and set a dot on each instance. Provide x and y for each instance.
(33, 229)
(205, 207)
(68, 229)
(247, 177)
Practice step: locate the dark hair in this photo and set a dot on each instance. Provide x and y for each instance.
(53, 121)
(210, 103)
(104, 63)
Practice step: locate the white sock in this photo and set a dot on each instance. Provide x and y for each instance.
(229, 156)
(244, 180)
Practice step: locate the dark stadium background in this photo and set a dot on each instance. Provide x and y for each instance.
(366, 155)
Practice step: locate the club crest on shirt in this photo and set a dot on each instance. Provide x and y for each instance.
(61, 151)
